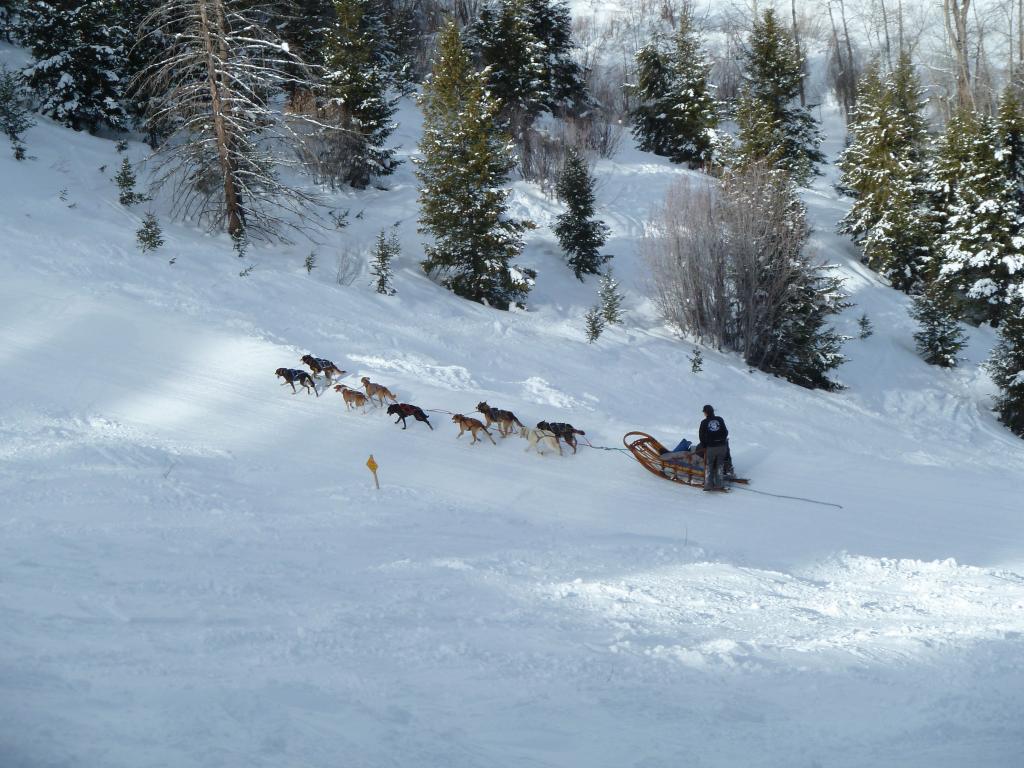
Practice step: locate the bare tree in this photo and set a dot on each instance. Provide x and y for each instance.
(214, 88)
(955, 13)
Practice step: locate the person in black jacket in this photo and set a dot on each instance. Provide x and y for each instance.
(714, 439)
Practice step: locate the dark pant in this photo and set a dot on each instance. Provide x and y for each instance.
(714, 459)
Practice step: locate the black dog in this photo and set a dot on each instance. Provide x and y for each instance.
(294, 376)
(564, 432)
(404, 410)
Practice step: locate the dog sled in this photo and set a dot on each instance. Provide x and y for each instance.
(687, 470)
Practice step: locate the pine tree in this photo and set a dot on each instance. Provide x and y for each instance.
(1011, 144)
(594, 324)
(677, 115)
(149, 236)
(465, 161)
(760, 137)
(1006, 367)
(696, 359)
(385, 250)
(610, 299)
(79, 72)
(940, 337)
(14, 110)
(10, 19)
(550, 23)
(774, 76)
(866, 328)
(580, 236)
(126, 184)
(981, 248)
(883, 169)
(513, 60)
(358, 105)
(305, 26)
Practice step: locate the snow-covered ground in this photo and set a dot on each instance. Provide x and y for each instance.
(196, 570)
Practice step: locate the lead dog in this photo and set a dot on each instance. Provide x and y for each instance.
(504, 419)
(539, 437)
(565, 432)
(378, 390)
(404, 410)
(319, 365)
(471, 425)
(353, 398)
(294, 376)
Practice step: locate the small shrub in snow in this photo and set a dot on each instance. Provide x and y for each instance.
(239, 242)
(866, 328)
(149, 235)
(611, 299)
(696, 360)
(594, 324)
(310, 263)
(126, 184)
(14, 110)
(247, 271)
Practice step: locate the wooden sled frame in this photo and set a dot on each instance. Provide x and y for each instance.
(647, 451)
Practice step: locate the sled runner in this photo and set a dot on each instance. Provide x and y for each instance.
(688, 471)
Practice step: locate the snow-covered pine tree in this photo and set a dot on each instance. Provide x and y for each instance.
(940, 337)
(513, 61)
(384, 251)
(883, 168)
(149, 235)
(760, 136)
(358, 107)
(79, 67)
(773, 71)
(610, 299)
(650, 118)
(10, 19)
(214, 85)
(304, 25)
(676, 105)
(1011, 143)
(125, 180)
(1006, 367)
(550, 23)
(14, 110)
(980, 251)
(465, 161)
(580, 235)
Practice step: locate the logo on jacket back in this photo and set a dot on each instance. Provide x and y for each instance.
(714, 425)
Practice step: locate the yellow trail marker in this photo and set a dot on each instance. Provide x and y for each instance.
(372, 466)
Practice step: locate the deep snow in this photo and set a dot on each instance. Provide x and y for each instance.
(195, 568)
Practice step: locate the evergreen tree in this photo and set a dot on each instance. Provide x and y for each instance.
(610, 299)
(981, 249)
(10, 19)
(550, 23)
(513, 62)
(1011, 143)
(14, 110)
(149, 236)
(760, 137)
(594, 324)
(774, 75)
(385, 250)
(1006, 367)
(305, 26)
(866, 328)
(357, 82)
(883, 169)
(940, 337)
(465, 161)
(126, 184)
(677, 115)
(79, 72)
(580, 236)
(696, 359)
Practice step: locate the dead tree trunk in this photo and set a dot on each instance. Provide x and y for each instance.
(955, 15)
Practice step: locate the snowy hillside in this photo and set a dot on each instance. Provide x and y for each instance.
(196, 570)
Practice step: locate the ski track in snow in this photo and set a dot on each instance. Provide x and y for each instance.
(195, 569)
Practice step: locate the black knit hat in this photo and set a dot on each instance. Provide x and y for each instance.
(709, 411)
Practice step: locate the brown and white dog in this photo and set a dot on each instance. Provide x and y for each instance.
(353, 397)
(541, 437)
(404, 410)
(377, 390)
(471, 425)
(319, 365)
(294, 376)
(504, 419)
(563, 431)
